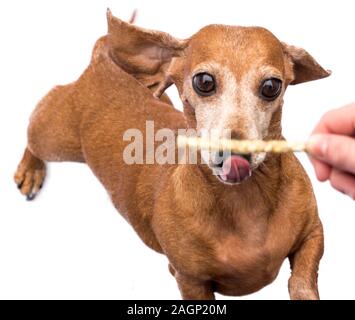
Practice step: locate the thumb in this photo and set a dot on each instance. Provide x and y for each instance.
(335, 150)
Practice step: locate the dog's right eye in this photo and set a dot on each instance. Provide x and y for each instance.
(204, 84)
(270, 89)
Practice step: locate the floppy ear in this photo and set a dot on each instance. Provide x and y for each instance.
(146, 54)
(305, 67)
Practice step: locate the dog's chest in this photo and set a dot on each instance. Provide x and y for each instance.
(235, 253)
(248, 264)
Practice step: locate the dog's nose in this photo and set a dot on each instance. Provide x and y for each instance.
(222, 156)
(246, 157)
(236, 135)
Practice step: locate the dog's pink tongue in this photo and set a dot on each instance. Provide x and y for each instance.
(235, 169)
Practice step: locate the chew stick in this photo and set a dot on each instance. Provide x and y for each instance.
(242, 146)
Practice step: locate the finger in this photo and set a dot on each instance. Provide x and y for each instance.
(335, 150)
(338, 121)
(343, 182)
(322, 170)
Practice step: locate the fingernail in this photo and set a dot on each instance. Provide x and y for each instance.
(317, 145)
(352, 196)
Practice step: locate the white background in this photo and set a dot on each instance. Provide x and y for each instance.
(70, 242)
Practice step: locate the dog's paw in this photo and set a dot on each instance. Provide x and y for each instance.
(30, 175)
(300, 289)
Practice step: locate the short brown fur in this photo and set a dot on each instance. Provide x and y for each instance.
(218, 238)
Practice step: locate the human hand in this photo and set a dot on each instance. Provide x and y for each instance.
(331, 148)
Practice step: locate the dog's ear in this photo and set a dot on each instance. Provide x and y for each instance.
(305, 67)
(143, 53)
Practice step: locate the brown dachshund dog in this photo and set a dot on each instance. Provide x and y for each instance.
(227, 232)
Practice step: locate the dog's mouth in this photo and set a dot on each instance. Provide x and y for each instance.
(234, 169)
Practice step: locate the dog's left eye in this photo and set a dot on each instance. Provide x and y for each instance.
(204, 84)
(270, 89)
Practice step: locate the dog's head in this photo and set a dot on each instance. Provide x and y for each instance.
(230, 79)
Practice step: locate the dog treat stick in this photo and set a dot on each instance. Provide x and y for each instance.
(242, 146)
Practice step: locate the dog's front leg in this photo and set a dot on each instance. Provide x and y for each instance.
(303, 284)
(192, 289)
